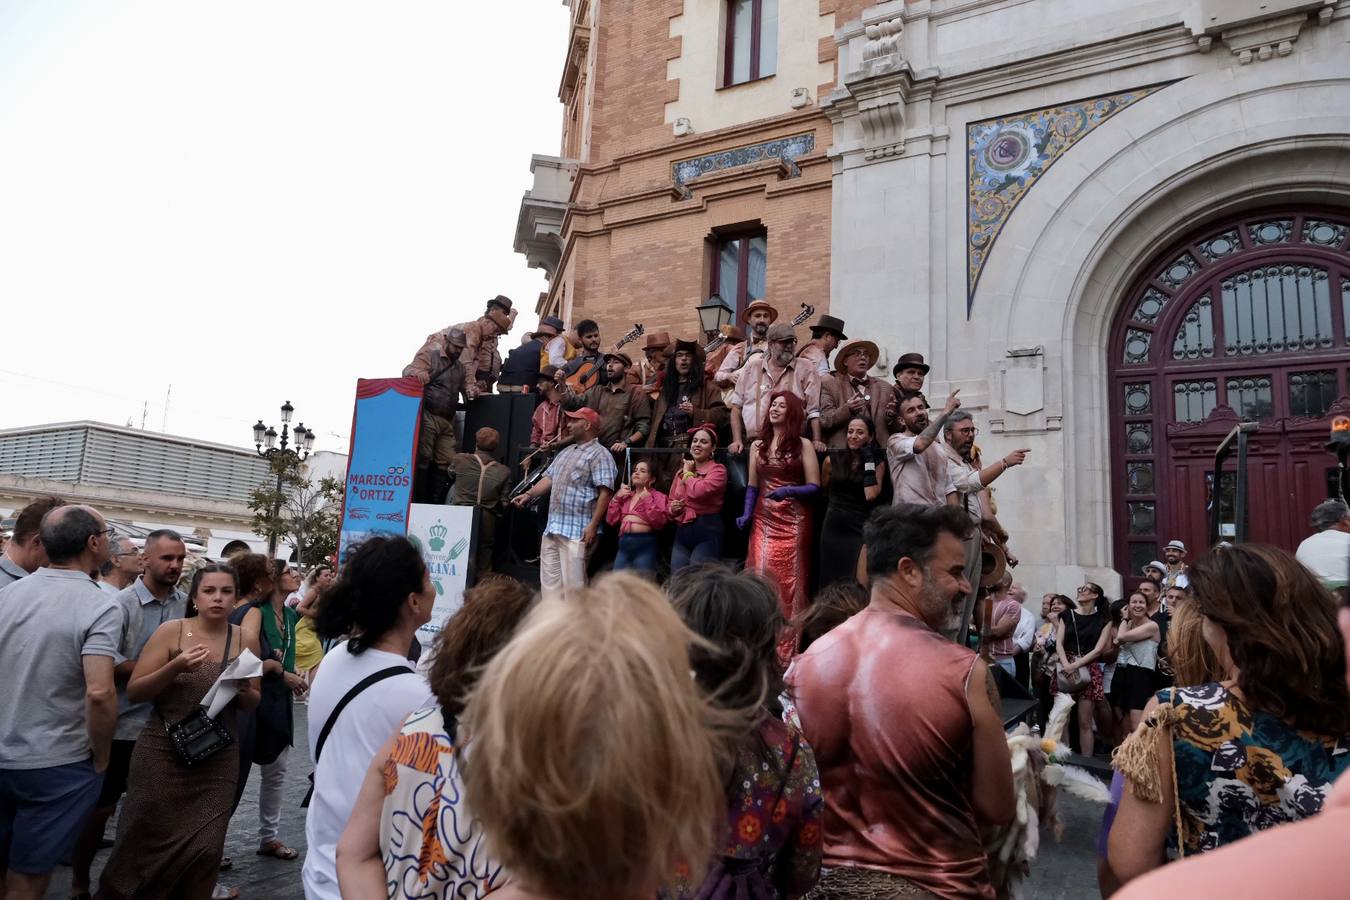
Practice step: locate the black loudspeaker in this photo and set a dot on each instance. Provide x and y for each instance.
(510, 414)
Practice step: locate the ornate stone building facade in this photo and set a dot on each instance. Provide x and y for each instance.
(693, 162)
(1120, 227)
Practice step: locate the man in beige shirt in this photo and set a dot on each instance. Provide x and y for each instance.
(759, 316)
(776, 369)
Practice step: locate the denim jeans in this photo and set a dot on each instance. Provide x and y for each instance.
(697, 542)
(637, 552)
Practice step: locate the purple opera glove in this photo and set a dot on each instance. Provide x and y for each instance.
(751, 495)
(794, 492)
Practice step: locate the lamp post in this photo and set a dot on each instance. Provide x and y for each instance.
(265, 441)
(713, 313)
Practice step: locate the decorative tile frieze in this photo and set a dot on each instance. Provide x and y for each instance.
(1005, 157)
(786, 149)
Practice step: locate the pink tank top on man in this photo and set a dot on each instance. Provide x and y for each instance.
(882, 700)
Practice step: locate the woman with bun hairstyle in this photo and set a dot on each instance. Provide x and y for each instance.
(380, 599)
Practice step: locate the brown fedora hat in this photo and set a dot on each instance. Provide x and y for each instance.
(910, 361)
(657, 340)
(831, 324)
(867, 347)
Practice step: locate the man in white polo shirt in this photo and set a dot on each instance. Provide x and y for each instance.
(1327, 553)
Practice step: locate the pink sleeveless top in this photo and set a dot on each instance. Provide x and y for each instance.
(895, 755)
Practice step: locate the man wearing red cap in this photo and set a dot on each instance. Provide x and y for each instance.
(584, 473)
(624, 409)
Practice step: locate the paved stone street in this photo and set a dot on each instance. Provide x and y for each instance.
(1065, 870)
(255, 876)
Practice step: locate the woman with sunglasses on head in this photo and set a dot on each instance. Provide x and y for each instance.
(1080, 640)
(1137, 664)
(697, 495)
(1219, 761)
(171, 831)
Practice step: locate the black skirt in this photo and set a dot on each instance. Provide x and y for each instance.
(1132, 687)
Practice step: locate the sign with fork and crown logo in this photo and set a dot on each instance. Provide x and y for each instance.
(444, 534)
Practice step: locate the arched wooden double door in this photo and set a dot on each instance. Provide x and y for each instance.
(1245, 320)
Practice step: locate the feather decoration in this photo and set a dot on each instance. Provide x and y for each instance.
(1079, 782)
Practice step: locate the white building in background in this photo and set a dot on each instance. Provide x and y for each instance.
(144, 479)
(1120, 227)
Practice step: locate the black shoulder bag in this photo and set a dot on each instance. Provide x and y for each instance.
(197, 737)
(348, 697)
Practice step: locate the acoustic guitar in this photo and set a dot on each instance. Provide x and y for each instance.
(588, 375)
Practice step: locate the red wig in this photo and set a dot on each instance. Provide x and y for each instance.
(789, 432)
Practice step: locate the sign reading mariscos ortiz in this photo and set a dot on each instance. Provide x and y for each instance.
(380, 465)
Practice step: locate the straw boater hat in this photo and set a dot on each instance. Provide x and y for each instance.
(760, 304)
(867, 347)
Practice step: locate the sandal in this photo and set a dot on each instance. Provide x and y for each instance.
(277, 850)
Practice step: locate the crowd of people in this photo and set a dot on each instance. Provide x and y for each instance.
(749, 448)
(554, 745)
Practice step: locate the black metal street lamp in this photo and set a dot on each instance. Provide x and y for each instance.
(265, 442)
(713, 313)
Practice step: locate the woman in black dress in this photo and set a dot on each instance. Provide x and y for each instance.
(1080, 640)
(853, 478)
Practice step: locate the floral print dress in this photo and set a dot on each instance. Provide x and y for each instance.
(773, 845)
(1240, 771)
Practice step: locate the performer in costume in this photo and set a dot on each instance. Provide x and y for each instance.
(784, 474)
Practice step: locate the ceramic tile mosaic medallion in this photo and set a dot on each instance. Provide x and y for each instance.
(788, 148)
(1005, 157)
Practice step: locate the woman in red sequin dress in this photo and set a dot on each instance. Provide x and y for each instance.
(784, 475)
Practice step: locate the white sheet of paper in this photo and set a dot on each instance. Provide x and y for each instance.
(244, 666)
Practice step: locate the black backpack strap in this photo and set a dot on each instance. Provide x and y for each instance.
(351, 695)
(337, 710)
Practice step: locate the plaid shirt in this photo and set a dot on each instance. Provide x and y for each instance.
(577, 474)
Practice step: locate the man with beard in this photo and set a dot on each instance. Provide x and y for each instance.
(149, 602)
(1174, 554)
(776, 369)
(624, 409)
(850, 392)
(759, 316)
(909, 370)
(687, 398)
(589, 334)
(912, 755)
(919, 473)
(651, 369)
(481, 361)
(969, 481)
(439, 366)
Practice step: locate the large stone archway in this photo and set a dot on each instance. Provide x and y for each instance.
(1204, 148)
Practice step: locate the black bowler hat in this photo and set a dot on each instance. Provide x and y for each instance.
(910, 361)
(830, 324)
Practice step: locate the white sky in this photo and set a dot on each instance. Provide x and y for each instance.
(256, 202)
